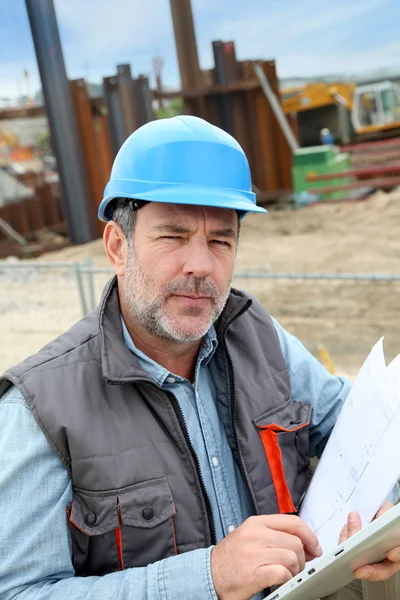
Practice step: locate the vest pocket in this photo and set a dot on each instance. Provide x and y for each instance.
(284, 435)
(116, 529)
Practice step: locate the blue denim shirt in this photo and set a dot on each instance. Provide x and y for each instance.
(35, 545)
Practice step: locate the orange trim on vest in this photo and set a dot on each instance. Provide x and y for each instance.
(118, 539)
(69, 512)
(269, 438)
(270, 442)
(174, 534)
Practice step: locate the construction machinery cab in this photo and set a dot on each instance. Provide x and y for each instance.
(376, 107)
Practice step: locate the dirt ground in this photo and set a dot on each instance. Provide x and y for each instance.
(346, 317)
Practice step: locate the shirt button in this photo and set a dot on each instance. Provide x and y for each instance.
(231, 528)
(215, 461)
(170, 380)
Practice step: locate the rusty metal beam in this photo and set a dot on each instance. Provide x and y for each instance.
(276, 107)
(221, 77)
(284, 152)
(115, 118)
(143, 100)
(267, 135)
(104, 149)
(383, 155)
(384, 183)
(35, 211)
(88, 142)
(210, 90)
(186, 50)
(128, 99)
(253, 129)
(367, 146)
(62, 119)
(22, 112)
(364, 172)
(186, 47)
(51, 210)
(233, 72)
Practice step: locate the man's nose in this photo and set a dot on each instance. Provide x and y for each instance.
(198, 259)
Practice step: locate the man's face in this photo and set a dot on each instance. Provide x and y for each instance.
(179, 271)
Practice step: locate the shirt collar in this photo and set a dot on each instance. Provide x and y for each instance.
(157, 372)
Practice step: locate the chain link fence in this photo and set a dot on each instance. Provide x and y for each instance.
(347, 313)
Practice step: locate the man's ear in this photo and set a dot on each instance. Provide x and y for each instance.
(116, 247)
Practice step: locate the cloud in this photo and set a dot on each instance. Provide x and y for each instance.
(306, 37)
(280, 30)
(108, 31)
(354, 63)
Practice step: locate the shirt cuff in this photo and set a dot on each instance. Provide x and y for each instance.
(394, 495)
(187, 576)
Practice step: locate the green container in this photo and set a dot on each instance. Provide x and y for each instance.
(319, 160)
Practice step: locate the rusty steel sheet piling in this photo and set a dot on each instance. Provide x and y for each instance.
(114, 112)
(221, 77)
(83, 111)
(188, 59)
(128, 99)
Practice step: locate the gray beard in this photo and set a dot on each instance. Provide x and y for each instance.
(148, 306)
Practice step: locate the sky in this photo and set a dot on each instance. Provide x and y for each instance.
(305, 37)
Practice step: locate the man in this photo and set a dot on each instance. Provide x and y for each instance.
(157, 449)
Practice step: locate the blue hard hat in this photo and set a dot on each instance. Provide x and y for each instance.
(181, 160)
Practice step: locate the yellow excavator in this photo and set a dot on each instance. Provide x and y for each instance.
(349, 111)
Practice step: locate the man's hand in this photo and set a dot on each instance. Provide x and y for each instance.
(378, 571)
(264, 551)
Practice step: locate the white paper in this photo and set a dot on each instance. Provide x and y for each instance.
(394, 371)
(361, 462)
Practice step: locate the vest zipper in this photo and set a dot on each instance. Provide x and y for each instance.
(234, 413)
(182, 422)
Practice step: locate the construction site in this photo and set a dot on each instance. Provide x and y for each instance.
(324, 261)
(324, 157)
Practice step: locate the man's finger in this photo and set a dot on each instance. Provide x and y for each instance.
(277, 574)
(297, 527)
(377, 572)
(394, 554)
(287, 541)
(343, 535)
(353, 523)
(384, 509)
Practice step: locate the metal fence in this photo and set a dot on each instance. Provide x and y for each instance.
(345, 312)
(39, 300)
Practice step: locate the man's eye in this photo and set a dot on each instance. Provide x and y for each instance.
(171, 237)
(221, 243)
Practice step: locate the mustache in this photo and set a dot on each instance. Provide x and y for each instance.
(193, 285)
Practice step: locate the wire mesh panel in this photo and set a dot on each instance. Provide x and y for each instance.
(345, 314)
(37, 303)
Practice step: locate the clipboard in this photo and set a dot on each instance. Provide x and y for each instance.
(334, 570)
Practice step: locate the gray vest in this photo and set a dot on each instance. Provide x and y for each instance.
(138, 496)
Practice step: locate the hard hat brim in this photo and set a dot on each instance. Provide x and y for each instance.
(180, 194)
